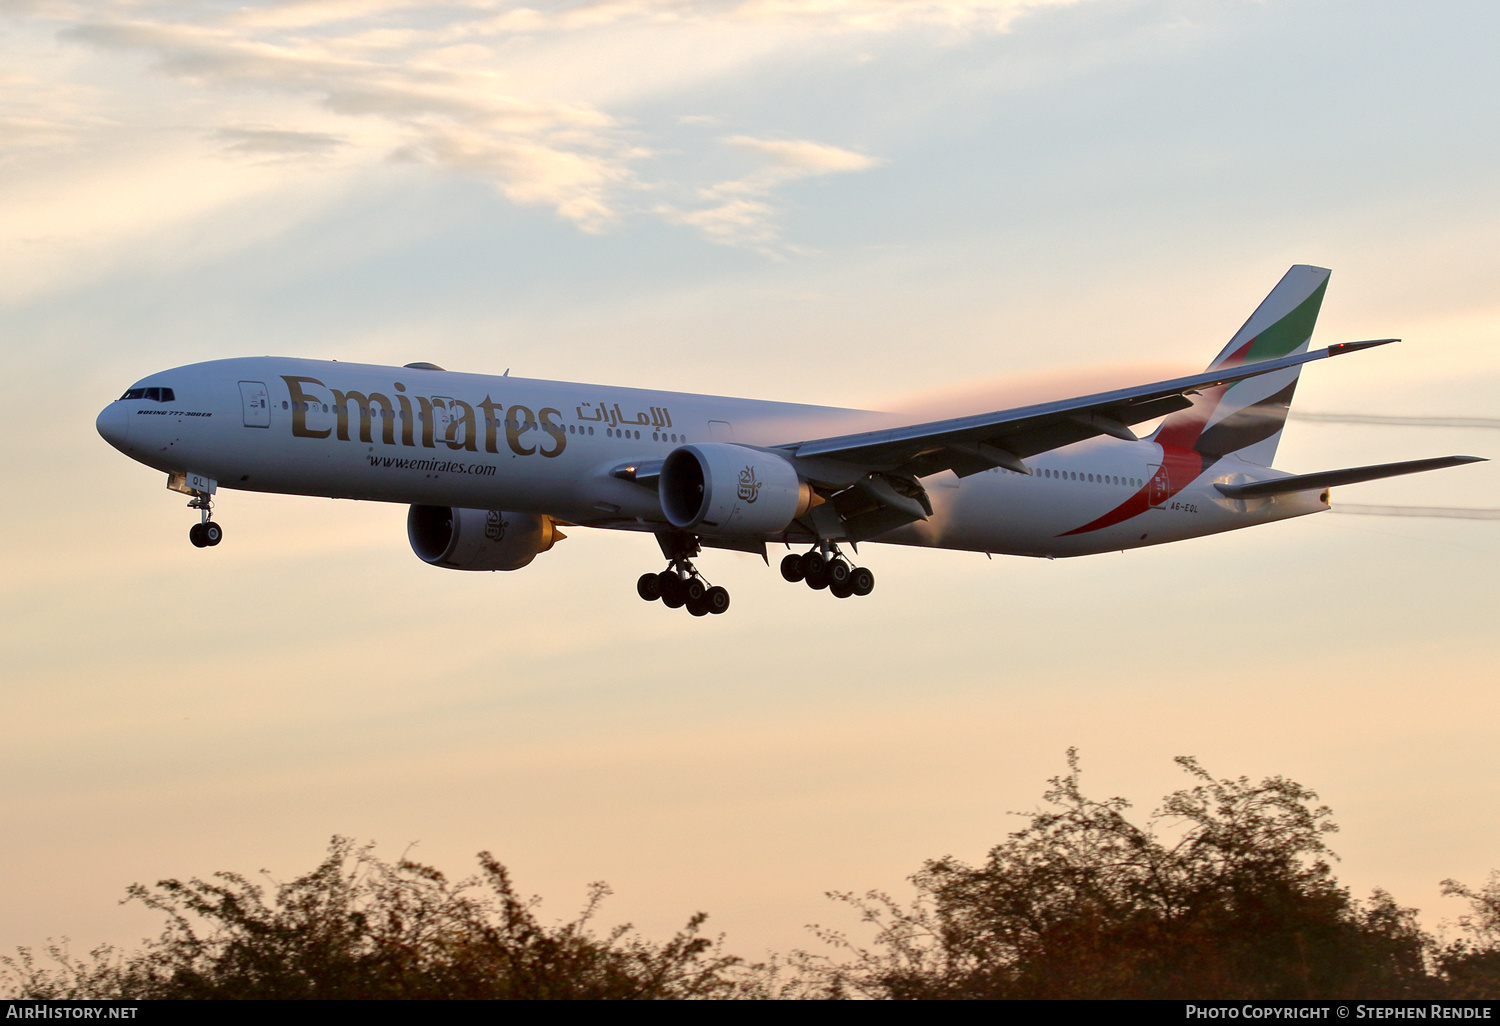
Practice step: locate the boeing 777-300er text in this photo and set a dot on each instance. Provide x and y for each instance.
(492, 467)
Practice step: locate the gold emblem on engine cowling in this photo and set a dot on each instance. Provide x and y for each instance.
(749, 486)
(494, 525)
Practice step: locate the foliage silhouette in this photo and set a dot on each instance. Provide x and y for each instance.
(357, 927)
(1471, 966)
(1225, 891)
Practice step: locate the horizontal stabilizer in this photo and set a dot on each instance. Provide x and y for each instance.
(1330, 478)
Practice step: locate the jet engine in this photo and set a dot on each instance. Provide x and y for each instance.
(478, 539)
(723, 489)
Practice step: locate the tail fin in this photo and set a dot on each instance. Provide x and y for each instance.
(1246, 418)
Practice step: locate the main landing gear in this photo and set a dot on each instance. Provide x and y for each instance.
(680, 584)
(206, 533)
(826, 567)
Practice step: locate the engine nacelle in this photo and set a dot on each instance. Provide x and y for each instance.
(719, 488)
(478, 539)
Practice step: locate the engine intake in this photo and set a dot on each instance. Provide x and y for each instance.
(479, 539)
(719, 488)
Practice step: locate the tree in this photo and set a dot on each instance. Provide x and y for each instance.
(1471, 965)
(1225, 891)
(358, 927)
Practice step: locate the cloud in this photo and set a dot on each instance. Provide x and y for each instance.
(574, 182)
(271, 142)
(800, 158)
(561, 155)
(23, 133)
(738, 222)
(874, 16)
(739, 213)
(297, 14)
(489, 89)
(39, 116)
(838, 15)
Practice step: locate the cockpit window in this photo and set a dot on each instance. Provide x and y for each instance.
(156, 395)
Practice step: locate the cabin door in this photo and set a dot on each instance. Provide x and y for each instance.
(1158, 491)
(256, 402)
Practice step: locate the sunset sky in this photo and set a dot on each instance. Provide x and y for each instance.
(872, 203)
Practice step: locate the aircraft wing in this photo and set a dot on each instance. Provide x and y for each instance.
(971, 445)
(869, 480)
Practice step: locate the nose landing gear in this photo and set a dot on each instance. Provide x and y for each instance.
(200, 489)
(827, 567)
(206, 533)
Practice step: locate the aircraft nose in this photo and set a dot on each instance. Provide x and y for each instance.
(114, 424)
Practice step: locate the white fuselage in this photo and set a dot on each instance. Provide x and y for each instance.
(443, 438)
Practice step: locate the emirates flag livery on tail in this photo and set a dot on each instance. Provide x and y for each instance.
(492, 467)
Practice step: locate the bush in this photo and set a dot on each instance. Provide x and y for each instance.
(1224, 892)
(1471, 966)
(357, 927)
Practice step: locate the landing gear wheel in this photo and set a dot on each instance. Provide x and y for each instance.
(680, 584)
(843, 589)
(862, 580)
(212, 533)
(812, 565)
(791, 567)
(837, 573)
(195, 535)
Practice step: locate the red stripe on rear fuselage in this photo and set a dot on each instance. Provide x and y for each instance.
(1179, 468)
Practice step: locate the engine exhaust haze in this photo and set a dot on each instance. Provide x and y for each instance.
(1025, 389)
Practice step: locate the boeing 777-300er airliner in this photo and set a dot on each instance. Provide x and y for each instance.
(492, 467)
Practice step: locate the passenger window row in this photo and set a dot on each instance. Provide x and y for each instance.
(1073, 475)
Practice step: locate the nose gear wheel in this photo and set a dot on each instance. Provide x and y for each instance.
(207, 532)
